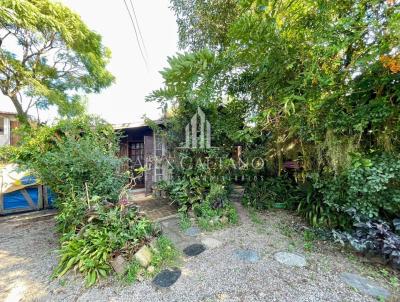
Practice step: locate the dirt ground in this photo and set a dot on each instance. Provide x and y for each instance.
(28, 256)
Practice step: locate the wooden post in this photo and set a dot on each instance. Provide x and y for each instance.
(45, 197)
(40, 197)
(148, 157)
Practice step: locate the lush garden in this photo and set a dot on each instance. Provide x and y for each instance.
(50, 58)
(312, 88)
(308, 88)
(100, 231)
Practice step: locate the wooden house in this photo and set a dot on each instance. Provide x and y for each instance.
(144, 148)
(8, 123)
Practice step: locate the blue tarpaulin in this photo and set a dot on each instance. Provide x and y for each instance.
(16, 200)
(21, 191)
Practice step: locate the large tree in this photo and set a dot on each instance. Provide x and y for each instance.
(320, 79)
(48, 56)
(204, 24)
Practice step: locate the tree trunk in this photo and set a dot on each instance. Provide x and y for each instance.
(21, 114)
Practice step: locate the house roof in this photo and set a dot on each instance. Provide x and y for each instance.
(7, 113)
(136, 124)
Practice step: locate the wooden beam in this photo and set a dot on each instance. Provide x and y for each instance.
(28, 199)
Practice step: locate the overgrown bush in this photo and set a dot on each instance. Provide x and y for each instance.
(104, 229)
(78, 160)
(73, 156)
(370, 188)
(215, 210)
(360, 204)
(316, 208)
(374, 186)
(272, 192)
(200, 183)
(374, 237)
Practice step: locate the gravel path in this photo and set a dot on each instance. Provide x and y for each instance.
(27, 258)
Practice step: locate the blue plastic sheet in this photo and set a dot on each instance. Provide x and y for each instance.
(16, 201)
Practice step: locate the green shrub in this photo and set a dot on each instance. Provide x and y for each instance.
(103, 230)
(71, 214)
(200, 182)
(370, 188)
(316, 211)
(215, 211)
(210, 218)
(73, 153)
(165, 254)
(272, 192)
(374, 186)
(88, 254)
(194, 172)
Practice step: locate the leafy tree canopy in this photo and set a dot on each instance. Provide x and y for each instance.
(48, 56)
(204, 24)
(320, 79)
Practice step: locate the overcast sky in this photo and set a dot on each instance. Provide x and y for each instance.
(124, 101)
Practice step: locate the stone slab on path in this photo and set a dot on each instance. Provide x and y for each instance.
(167, 278)
(171, 229)
(290, 259)
(192, 231)
(365, 285)
(211, 243)
(194, 249)
(247, 255)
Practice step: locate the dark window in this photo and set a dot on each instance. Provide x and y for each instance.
(136, 155)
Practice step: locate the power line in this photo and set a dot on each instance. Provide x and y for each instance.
(136, 34)
(138, 28)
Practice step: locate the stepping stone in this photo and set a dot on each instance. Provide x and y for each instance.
(194, 249)
(290, 259)
(247, 255)
(211, 243)
(192, 231)
(365, 285)
(167, 277)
